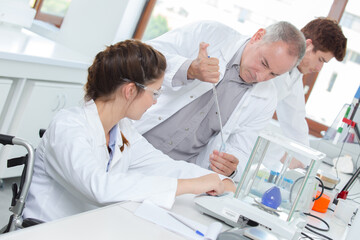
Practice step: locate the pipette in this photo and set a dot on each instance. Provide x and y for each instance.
(222, 147)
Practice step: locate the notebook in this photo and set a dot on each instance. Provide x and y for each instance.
(178, 224)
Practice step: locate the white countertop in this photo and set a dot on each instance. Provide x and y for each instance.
(20, 44)
(119, 222)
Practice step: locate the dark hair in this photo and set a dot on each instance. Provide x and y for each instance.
(326, 36)
(130, 59)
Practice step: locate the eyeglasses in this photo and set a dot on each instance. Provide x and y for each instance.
(155, 93)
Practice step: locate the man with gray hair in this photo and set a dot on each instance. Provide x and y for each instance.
(184, 123)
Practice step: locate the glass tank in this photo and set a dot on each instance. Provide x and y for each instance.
(269, 183)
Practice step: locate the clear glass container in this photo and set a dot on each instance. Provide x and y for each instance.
(271, 186)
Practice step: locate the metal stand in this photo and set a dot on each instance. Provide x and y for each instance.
(344, 192)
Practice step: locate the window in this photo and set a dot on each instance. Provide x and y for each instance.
(355, 57)
(50, 11)
(156, 26)
(331, 82)
(324, 105)
(244, 15)
(350, 21)
(347, 20)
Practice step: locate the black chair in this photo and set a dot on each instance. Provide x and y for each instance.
(19, 193)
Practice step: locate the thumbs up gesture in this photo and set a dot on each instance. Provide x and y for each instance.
(204, 68)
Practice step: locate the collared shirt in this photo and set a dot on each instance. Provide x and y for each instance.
(187, 132)
(112, 142)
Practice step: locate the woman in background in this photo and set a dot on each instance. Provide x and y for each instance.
(90, 156)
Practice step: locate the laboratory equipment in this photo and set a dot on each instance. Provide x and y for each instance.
(246, 234)
(292, 191)
(222, 147)
(330, 181)
(347, 132)
(349, 121)
(321, 203)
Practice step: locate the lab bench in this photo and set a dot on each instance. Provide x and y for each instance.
(118, 221)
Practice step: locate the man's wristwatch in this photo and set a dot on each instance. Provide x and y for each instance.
(233, 174)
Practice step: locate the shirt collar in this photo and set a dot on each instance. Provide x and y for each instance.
(113, 137)
(235, 63)
(295, 73)
(235, 60)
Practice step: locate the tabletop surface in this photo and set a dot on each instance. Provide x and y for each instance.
(118, 220)
(20, 44)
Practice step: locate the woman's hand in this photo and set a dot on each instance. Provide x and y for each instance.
(210, 184)
(229, 186)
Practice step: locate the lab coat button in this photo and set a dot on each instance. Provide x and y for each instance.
(160, 118)
(170, 143)
(191, 96)
(186, 129)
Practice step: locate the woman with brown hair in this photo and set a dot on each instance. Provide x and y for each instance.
(90, 156)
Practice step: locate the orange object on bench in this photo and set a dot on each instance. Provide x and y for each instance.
(321, 204)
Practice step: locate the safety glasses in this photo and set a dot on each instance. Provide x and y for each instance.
(155, 93)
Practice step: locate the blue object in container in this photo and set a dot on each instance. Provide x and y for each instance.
(272, 197)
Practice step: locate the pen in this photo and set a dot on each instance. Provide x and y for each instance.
(186, 224)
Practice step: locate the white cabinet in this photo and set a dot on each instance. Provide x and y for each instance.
(39, 103)
(38, 77)
(5, 85)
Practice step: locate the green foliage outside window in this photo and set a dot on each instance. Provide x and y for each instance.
(157, 26)
(55, 7)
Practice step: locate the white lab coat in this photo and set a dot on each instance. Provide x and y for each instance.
(70, 168)
(290, 109)
(251, 114)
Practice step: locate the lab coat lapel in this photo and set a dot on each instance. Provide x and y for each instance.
(93, 119)
(228, 51)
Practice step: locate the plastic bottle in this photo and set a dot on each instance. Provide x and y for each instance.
(272, 176)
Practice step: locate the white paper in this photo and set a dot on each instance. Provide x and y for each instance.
(213, 231)
(160, 216)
